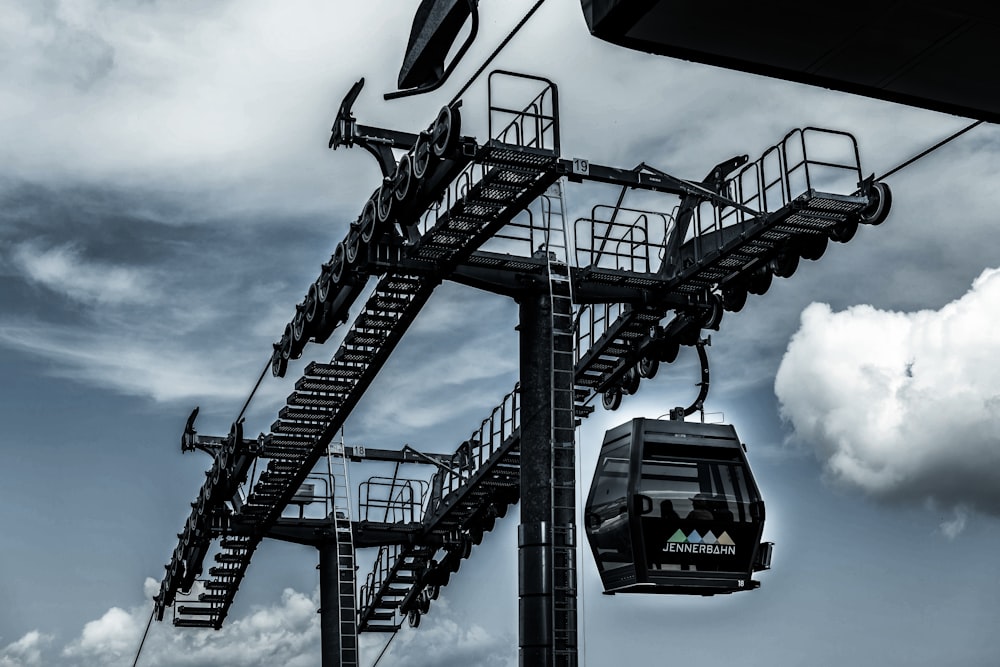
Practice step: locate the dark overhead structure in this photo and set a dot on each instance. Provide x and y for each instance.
(935, 55)
(435, 30)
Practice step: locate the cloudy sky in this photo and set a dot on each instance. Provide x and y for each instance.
(167, 196)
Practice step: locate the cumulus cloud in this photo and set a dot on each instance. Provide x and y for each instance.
(26, 651)
(109, 638)
(286, 632)
(904, 406)
(444, 640)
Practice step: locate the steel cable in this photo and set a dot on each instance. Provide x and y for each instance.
(929, 150)
(496, 51)
(143, 641)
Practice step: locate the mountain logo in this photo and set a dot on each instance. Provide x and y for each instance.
(696, 543)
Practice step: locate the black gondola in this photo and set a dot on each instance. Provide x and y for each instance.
(674, 508)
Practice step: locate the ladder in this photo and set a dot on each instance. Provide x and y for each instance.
(563, 420)
(344, 535)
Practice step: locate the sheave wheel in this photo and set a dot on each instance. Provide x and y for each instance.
(424, 602)
(413, 618)
(611, 399)
(760, 281)
(279, 364)
(785, 263)
(312, 304)
(385, 200)
(877, 211)
(714, 316)
(367, 222)
(421, 155)
(337, 263)
(286, 342)
(402, 179)
(734, 298)
(813, 246)
(352, 246)
(445, 133)
(630, 381)
(648, 367)
(845, 231)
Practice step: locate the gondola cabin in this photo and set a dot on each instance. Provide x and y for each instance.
(674, 508)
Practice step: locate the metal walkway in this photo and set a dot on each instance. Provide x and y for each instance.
(327, 393)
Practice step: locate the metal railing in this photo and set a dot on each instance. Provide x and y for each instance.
(620, 238)
(392, 500)
(502, 423)
(536, 124)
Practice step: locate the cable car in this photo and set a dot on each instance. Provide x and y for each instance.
(674, 509)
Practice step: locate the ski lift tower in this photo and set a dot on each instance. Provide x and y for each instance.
(604, 299)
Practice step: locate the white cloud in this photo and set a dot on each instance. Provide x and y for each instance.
(64, 270)
(954, 526)
(286, 632)
(198, 96)
(904, 406)
(442, 640)
(26, 651)
(109, 639)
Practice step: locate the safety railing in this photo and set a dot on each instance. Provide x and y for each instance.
(309, 495)
(592, 321)
(806, 159)
(533, 125)
(619, 238)
(385, 562)
(392, 500)
(502, 423)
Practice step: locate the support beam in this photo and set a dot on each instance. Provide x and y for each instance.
(547, 583)
(329, 600)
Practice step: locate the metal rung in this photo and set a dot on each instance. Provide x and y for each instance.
(197, 611)
(369, 320)
(389, 302)
(323, 385)
(229, 558)
(330, 403)
(223, 571)
(304, 415)
(302, 428)
(235, 543)
(215, 585)
(380, 628)
(332, 371)
(193, 623)
(363, 339)
(399, 284)
(353, 356)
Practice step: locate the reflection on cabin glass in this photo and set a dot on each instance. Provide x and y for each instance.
(673, 508)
